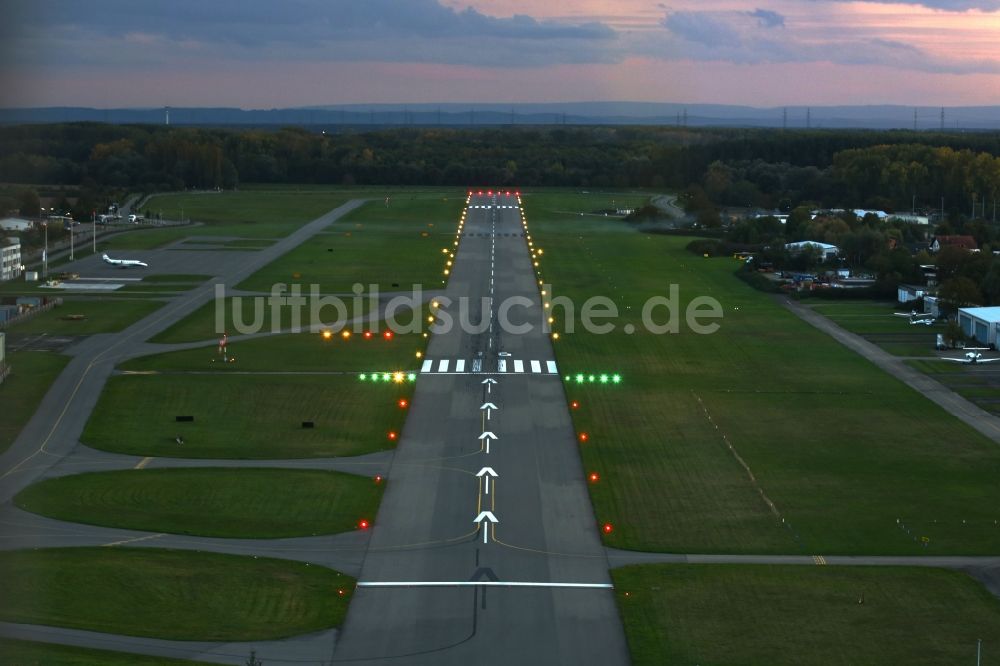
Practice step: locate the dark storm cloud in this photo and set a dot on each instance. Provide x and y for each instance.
(292, 20)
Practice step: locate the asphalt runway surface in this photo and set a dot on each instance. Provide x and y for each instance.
(534, 587)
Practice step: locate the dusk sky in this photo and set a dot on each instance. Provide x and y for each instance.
(256, 54)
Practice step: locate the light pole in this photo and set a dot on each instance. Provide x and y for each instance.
(979, 650)
(71, 257)
(45, 252)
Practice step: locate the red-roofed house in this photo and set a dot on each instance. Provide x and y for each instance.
(963, 242)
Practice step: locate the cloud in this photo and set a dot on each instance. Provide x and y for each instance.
(750, 38)
(942, 5)
(767, 18)
(126, 33)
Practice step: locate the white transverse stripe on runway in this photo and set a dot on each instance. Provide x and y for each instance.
(551, 366)
(536, 366)
(471, 583)
(443, 365)
(428, 364)
(518, 366)
(460, 365)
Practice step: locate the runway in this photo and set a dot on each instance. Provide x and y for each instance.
(532, 587)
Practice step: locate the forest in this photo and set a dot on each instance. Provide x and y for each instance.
(771, 169)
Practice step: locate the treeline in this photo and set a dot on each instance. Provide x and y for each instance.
(765, 168)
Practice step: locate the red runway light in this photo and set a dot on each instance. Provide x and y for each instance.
(368, 335)
(594, 477)
(574, 405)
(378, 478)
(607, 528)
(392, 435)
(387, 335)
(363, 524)
(340, 592)
(584, 437)
(403, 404)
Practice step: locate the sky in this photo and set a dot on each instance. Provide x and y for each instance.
(290, 53)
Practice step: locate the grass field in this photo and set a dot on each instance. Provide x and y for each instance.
(245, 416)
(394, 247)
(180, 595)
(252, 313)
(302, 352)
(852, 460)
(749, 614)
(104, 315)
(29, 653)
(246, 213)
(32, 373)
(218, 502)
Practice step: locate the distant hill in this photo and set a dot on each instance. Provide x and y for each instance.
(569, 113)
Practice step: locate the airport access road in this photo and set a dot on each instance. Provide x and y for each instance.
(533, 587)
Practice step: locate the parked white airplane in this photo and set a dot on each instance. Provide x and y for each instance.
(915, 317)
(972, 357)
(124, 263)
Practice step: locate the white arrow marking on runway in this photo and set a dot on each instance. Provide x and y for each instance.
(487, 472)
(489, 381)
(487, 436)
(487, 515)
(489, 407)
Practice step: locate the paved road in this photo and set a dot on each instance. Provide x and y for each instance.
(983, 421)
(55, 428)
(414, 604)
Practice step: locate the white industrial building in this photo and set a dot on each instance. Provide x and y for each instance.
(980, 323)
(910, 292)
(825, 250)
(15, 224)
(10, 261)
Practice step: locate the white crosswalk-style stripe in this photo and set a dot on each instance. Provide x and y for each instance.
(459, 367)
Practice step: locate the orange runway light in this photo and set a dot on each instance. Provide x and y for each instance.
(392, 435)
(368, 335)
(345, 334)
(327, 335)
(378, 478)
(594, 477)
(575, 404)
(387, 335)
(584, 437)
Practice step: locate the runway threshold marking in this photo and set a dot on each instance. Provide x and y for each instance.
(819, 560)
(142, 463)
(492, 583)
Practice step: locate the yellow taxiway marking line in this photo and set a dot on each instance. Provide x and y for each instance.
(819, 559)
(133, 540)
(142, 463)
